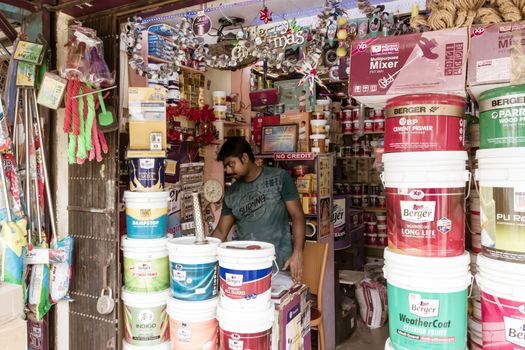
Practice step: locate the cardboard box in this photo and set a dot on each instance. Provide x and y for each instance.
(302, 119)
(490, 64)
(13, 335)
(384, 67)
(147, 115)
(11, 302)
(291, 329)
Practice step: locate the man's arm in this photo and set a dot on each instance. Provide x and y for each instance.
(295, 262)
(223, 227)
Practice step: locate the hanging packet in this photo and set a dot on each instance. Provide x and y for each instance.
(61, 273)
(13, 244)
(38, 301)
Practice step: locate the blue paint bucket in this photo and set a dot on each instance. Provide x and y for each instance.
(146, 171)
(193, 268)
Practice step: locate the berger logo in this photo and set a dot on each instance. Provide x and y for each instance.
(234, 280)
(144, 267)
(338, 215)
(434, 109)
(416, 194)
(514, 330)
(521, 309)
(417, 211)
(423, 307)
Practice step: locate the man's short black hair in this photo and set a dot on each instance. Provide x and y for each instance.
(235, 147)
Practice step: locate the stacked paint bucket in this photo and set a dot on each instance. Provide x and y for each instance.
(146, 272)
(245, 312)
(501, 181)
(192, 305)
(426, 266)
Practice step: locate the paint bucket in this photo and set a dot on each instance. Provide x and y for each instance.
(219, 98)
(427, 122)
(220, 112)
(193, 268)
(163, 346)
(146, 322)
(501, 117)
(428, 301)
(252, 330)
(388, 345)
(501, 176)
(475, 330)
(245, 270)
(425, 199)
(146, 170)
(146, 264)
(193, 325)
(146, 214)
(502, 287)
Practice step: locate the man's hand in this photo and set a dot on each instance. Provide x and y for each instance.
(295, 264)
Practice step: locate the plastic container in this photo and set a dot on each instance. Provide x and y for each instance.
(193, 325)
(253, 332)
(428, 296)
(371, 227)
(146, 264)
(502, 287)
(347, 126)
(501, 119)
(425, 195)
(357, 200)
(193, 268)
(356, 127)
(381, 202)
(163, 346)
(501, 176)
(219, 98)
(426, 122)
(318, 126)
(220, 112)
(379, 125)
(368, 125)
(245, 271)
(381, 219)
(145, 319)
(317, 143)
(146, 174)
(146, 214)
(372, 239)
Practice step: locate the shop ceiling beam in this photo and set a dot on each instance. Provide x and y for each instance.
(23, 4)
(67, 5)
(7, 28)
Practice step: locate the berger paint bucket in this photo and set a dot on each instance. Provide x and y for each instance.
(502, 117)
(146, 264)
(501, 176)
(163, 346)
(193, 268)
(388, 345)
(425, 198)
(502, 287)
(249, 330)
(427, 300)
(475, 330)
(193, 324)
(245, 270)
(421, 123)
(146, 170)
(146, 214)
(146, 321)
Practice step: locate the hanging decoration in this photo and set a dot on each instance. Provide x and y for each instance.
(203, 119)
(310, 74)
(265, 14)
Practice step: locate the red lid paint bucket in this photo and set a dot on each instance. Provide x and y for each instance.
(429, 122)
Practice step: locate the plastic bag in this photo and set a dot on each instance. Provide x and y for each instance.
(13, 243)
(39, 302)
(61, 273)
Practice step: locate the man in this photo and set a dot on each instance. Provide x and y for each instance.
(260, 202)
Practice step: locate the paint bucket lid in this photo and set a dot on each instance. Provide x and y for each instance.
(145, 300)
(219, 93)
(145, 197)
(144, 245)
(388, 345)
(246, 249)
(192, 311)
(501, 91)
(412, 272)
(163, 346)
(130, 154)
(185, 246)
(254, 321)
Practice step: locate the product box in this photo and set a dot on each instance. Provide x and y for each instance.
(291, 329)
(147, 118)
(11, 302)
(340, 221)
(13, 335)
(302, 119)
(490, 63)
(384, 67)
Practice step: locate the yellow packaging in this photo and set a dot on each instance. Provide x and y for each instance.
(140, 133)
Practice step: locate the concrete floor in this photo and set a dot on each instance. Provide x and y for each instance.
(365, 338)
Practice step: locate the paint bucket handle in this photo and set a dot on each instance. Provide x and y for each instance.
(382, 178)
(473, 279)
(274, 262)
(469, 184)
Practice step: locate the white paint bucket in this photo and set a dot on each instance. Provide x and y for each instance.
(193, 324)
(476, 335)
(502, 287)
(163, 346)
(427, 310)
(146, 214)
(245, 270)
